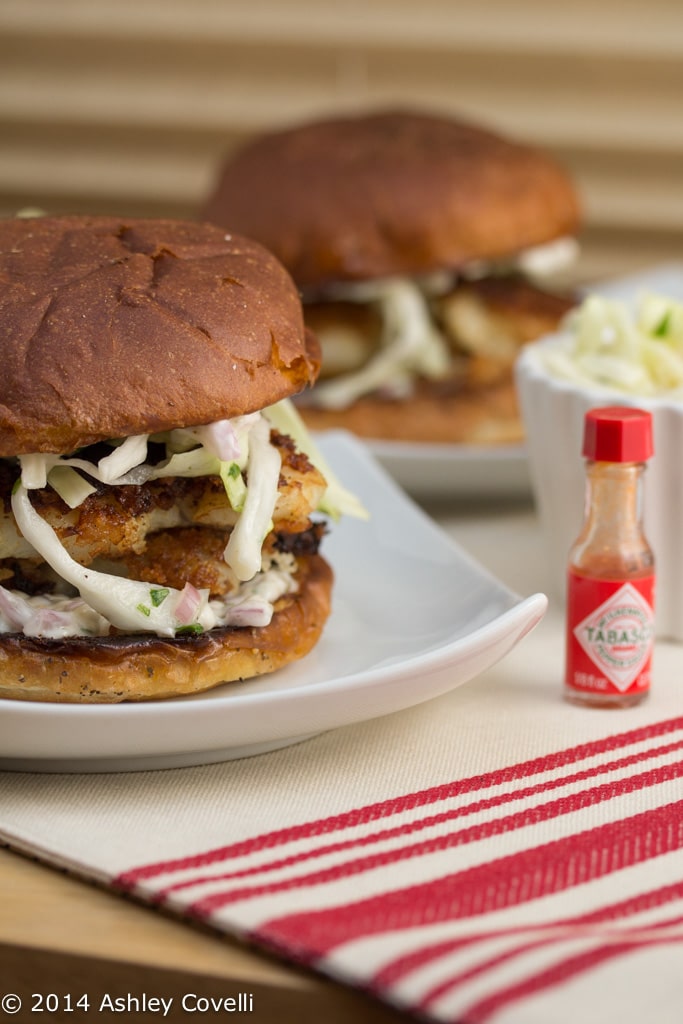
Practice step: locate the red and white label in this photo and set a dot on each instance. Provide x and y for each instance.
(610, 634)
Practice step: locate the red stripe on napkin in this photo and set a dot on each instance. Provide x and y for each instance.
(449, 816)
(502, 883)
(399, 968)
(628, 939)
(400, 804)
(556, 975)
(476, 833)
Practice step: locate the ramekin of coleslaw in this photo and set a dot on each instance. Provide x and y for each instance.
(610, 351)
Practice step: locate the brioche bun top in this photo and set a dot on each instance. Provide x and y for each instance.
(391, 193)
(111, 327)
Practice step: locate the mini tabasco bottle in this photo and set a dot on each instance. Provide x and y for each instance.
(611, 573)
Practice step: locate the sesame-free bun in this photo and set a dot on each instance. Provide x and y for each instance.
(391, 193)
(112, 327)
(430, 415)
(110, 669)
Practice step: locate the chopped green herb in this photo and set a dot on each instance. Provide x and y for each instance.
(16, 485)
(194, 627)
(234, 484)
(144, 609)
(159, 596)
(662, 328)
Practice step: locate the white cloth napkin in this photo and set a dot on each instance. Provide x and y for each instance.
(493, 855)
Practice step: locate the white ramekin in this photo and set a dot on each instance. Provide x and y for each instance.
(553, 412)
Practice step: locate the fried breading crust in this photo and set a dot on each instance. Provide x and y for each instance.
(115, 521)
(194, 555)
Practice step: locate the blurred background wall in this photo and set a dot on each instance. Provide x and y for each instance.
(125, 106)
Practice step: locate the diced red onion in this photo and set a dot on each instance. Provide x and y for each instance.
(188, 605)
(15, 609)
(254, 613)
(221, 440)
(48, 622)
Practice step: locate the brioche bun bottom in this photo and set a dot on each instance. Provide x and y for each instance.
(111, 669)
(490, 416)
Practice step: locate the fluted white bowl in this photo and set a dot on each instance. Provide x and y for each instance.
(553, 412)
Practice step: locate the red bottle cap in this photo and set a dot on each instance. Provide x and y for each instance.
(617, 434)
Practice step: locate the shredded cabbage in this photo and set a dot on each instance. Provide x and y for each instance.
(637, 351)
(34, 469)
(130, 453)
(135, 605)
(69, 485)
(243, 550)
(410, 344)
(337, 500)
(127, 604)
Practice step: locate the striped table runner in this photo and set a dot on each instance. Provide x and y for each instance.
(494, 855)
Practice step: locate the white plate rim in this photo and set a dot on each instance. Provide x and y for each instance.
(433, 470)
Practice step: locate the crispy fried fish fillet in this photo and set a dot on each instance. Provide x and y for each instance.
(485, 323)
(115, 521)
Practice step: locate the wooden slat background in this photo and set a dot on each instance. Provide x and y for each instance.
(126, 106)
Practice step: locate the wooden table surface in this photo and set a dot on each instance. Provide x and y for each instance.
(67, 938)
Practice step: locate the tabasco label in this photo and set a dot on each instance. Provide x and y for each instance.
(610, 634)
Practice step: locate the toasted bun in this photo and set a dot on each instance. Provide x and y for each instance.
(111, 669)
(432, 415)
(395, 193)
(114, 327)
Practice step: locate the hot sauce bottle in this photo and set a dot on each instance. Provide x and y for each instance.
(611, 572)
